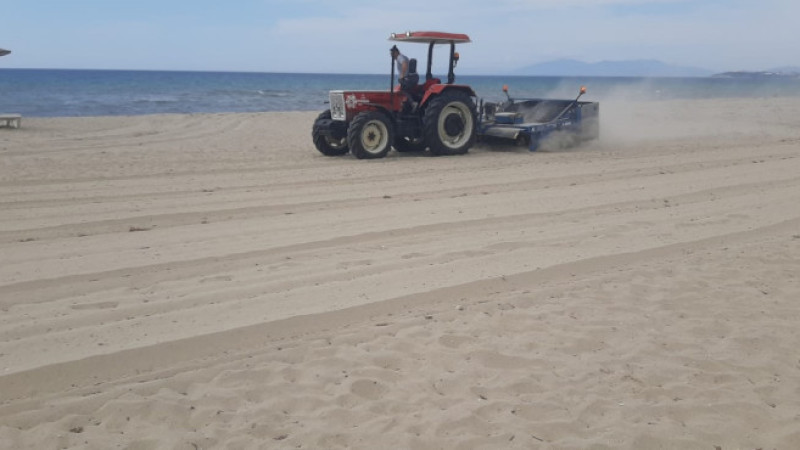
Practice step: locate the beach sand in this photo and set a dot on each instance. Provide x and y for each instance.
(212, 281)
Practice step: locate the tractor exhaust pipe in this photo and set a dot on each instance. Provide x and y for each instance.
(391, 83)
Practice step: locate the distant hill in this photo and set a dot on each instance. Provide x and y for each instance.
(780, 72)
(633, 68)
(787, 69)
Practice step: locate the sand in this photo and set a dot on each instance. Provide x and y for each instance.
(211, 281)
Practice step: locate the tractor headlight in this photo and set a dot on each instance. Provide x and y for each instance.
(337, 105)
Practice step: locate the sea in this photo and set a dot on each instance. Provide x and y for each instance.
(77, 93)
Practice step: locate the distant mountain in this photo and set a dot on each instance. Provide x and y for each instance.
(633, 68)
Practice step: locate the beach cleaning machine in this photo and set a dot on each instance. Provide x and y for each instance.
(532, 122)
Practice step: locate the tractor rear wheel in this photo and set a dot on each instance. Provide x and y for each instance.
(326, 144)
(370, 135)
(450, 124)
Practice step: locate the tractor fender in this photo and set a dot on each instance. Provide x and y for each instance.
(438, 89)
(351, 113)
(381, 109)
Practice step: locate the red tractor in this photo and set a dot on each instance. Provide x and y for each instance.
(413, 116)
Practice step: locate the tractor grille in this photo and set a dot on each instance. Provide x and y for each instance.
(337, 105)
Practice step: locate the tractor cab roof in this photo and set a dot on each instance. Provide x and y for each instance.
(432, 37)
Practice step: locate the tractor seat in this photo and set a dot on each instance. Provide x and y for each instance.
(411, 80)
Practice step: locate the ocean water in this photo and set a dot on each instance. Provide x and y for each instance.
(57, 93)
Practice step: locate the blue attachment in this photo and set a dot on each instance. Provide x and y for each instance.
(543, 118)
(508, 118)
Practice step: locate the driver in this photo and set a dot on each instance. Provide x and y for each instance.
(400, 60)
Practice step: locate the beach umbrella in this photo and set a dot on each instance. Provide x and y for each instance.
(4, 52)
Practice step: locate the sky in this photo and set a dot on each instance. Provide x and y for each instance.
(350, 36)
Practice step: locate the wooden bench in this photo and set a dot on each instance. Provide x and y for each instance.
(10, 120)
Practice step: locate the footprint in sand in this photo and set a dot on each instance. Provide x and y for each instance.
(369, 389)
(454, 341)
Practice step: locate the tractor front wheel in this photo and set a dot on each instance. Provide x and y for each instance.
(327, 144)
(370, 135)
(450, 124)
